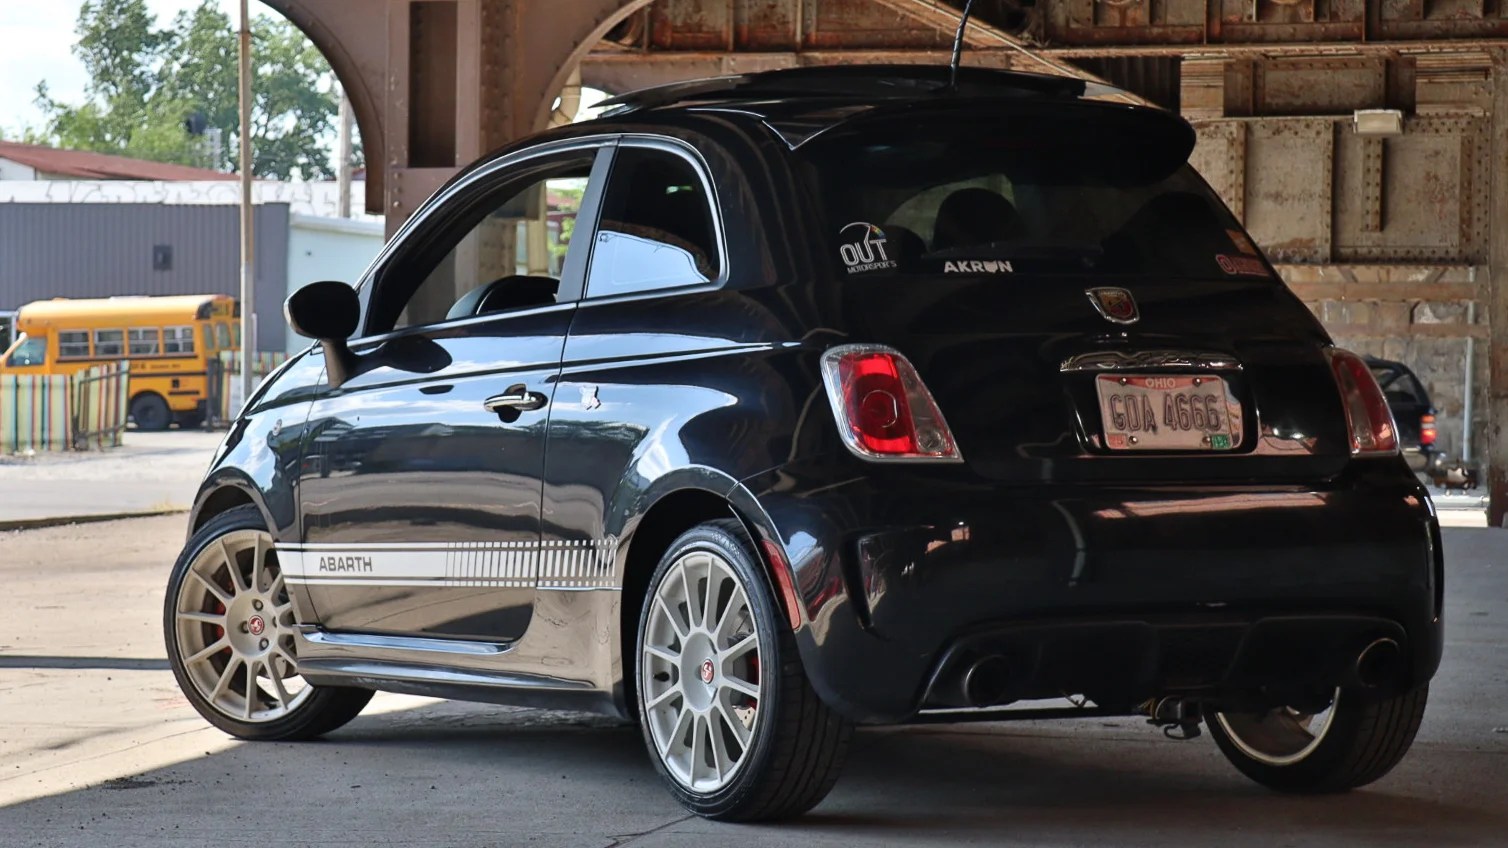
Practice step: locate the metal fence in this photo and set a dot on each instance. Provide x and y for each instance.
(55, 413)
(101, 400)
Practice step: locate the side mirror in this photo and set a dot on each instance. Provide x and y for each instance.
(328, 312)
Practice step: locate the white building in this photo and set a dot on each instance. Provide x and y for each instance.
(319, 244)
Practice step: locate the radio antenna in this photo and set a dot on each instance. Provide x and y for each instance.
(963, 24)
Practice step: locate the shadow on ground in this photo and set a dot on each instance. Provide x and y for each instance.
(455, 774)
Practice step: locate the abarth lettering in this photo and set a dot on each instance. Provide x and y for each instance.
(345, 564)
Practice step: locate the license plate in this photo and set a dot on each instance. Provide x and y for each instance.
(1174, 412)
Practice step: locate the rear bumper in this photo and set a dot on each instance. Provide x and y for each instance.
(1120, 662)
(1124, 593)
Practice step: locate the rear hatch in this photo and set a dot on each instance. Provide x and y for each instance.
(1078, 301)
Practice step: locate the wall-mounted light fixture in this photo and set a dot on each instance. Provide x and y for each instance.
(1378, 122)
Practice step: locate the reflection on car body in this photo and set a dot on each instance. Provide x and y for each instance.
(769, 405)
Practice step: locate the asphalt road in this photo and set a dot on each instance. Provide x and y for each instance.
(98, 749)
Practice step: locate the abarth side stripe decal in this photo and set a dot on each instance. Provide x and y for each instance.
(554, 564)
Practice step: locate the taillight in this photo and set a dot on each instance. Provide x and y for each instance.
(884, 411)
(1368, 418)
(1427, 429)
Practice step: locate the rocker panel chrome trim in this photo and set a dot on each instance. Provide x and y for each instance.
(373, 672)
(406, 643)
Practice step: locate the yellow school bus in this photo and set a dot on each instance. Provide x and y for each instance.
(169, 342)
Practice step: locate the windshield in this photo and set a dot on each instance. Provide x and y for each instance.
(29, 350)
(1093, 194)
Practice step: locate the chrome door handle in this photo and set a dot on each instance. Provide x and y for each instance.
(517, 397)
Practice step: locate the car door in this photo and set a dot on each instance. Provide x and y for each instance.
(643, 386)
(421, 476)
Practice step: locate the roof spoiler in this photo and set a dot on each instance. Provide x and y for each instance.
(880, 82)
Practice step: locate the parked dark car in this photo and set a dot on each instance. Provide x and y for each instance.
(1412, 411)
(770, 405)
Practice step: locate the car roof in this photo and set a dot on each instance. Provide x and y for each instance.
(800, 104)
(1379, 362)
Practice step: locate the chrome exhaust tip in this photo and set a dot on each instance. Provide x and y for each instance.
(986, 681)
(1379, 664)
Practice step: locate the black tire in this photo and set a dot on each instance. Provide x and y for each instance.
(324, 709)
(798, 744)
(150, 412)
(1368, 734)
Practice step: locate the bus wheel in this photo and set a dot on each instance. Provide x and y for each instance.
(150, 412)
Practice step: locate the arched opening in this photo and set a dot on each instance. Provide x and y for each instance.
(360, 81)
(569, 73)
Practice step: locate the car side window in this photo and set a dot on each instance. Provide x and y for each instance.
(503, 249)
(656, 228)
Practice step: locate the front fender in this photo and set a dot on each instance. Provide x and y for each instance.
(258, 461)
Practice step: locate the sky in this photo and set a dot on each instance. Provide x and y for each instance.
(36, 43)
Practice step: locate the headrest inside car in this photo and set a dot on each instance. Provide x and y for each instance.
(512, 292)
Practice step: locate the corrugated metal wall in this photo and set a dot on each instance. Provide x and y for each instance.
(106, 249)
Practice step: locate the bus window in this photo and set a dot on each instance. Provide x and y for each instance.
(178, 339)
(209, 338)
(143, 341)
(73, 344)
(222, 331)
(29, 351)
(109, 342)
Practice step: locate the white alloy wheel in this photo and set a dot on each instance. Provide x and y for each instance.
(1279, 737)
(700, 672)
(1355, 740)
(233, 623)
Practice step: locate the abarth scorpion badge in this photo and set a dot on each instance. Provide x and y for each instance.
(1114, 304)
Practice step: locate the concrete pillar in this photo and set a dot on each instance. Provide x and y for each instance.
(1495, 450)
(437, 83)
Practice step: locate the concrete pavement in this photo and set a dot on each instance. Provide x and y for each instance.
(151, 472)
(97, 748)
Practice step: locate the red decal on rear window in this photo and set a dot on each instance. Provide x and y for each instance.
(1241, 242)
(1241, 265)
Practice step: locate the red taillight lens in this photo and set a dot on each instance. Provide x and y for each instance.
(884, 411)
(1367, 415)
(1427, 430)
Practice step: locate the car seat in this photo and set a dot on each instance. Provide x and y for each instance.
(975, 216)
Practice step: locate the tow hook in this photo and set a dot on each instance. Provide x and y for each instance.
(1179, 718)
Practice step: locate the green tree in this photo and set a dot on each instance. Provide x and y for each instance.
(146, 84)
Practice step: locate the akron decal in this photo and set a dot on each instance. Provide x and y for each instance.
(866, 254)
(979, 266)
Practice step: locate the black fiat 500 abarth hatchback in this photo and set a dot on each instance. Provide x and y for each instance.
(770, 405)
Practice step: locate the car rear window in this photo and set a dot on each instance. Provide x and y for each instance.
(1086, 192)
(1399, 385)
